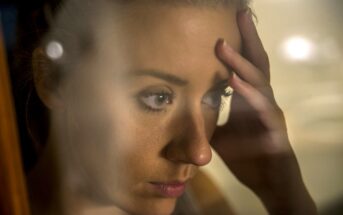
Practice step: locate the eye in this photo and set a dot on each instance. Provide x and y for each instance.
(214, 98)
(155, 101)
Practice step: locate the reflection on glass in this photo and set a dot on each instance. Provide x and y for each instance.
(298, 48)
(122, 99)
(54, 50)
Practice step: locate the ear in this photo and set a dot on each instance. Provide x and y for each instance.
(45, 81)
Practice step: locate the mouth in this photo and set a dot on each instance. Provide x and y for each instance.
(169, 189)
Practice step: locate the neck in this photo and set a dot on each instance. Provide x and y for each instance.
(44, 184)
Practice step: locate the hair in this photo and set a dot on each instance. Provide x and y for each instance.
(205, 3)
(35, 26)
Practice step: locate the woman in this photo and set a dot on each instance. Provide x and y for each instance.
(134, 90)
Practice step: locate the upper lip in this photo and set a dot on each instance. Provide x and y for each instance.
(170, 183)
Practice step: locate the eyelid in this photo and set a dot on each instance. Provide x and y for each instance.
(156, 93)
(222, 86)
(156, 89)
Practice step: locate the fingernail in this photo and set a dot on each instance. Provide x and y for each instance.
(224, 46)
(222, 42)
(233, 80)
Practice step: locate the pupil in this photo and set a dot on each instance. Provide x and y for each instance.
(160, 99)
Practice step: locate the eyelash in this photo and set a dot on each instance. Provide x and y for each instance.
(226, 94)
(223, 93)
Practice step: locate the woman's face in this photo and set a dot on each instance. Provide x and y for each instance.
(140, 109)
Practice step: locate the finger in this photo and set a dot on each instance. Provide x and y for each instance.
(245, 69)
(266, 108)
(253, 48)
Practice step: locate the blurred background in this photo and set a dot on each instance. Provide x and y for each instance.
(304, 39)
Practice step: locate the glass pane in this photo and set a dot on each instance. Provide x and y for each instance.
(174, 107)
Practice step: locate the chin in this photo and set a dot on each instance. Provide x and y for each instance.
(155, 207)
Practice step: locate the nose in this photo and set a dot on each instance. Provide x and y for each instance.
(190, 143)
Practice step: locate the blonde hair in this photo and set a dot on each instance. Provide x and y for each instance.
(241, 4)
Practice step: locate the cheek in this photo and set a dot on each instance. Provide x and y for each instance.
(93, 137)
(143, 143)
(94, 130)
(114, 140)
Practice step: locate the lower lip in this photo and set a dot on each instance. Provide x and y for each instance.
(174, 190)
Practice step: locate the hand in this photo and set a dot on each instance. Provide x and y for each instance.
(254, 142)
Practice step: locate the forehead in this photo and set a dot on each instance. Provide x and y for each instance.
(170, 38)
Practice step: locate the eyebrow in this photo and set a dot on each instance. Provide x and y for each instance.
(175, 79)
(162, 75)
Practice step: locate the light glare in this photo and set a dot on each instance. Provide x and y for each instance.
(54, 50)
(298, 48)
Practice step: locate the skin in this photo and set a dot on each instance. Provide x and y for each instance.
(254, 142)
(115, 138)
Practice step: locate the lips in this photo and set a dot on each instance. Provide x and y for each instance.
(169, 190)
